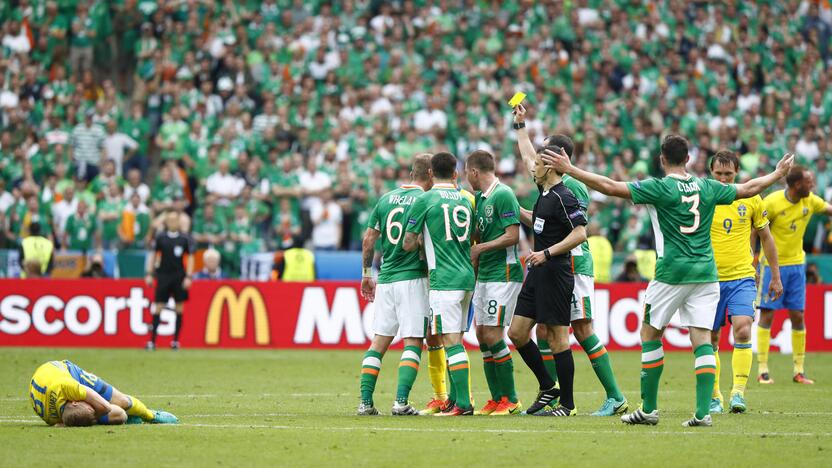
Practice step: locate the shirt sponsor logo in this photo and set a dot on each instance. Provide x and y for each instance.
(508, 214)
(575, 215)
(637, 184)
(411, 221)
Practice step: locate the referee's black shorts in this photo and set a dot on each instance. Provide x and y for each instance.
(546, 296)
(168, 286)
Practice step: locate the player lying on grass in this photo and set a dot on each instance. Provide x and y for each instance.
(681, 208)
(732, 231)
(61, 396)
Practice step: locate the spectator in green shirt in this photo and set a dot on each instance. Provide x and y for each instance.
(80, 229)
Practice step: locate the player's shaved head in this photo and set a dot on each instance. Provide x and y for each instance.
(675, 150)
(443, 165)
(562, 141)
(726, 158)
(78, 414)
(481, 160)
(420, 170)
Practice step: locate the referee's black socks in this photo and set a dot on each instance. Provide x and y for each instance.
(566, 374)
(532, 357)
(178, 327)
(156, 319)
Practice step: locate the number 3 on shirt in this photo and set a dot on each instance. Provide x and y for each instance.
(694, 200)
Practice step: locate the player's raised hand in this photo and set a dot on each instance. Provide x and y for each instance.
(785, 163)
(775, 289)
(368, 289)
(519, 113)
(559, 162)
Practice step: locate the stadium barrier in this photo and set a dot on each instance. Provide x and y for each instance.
(238, 314)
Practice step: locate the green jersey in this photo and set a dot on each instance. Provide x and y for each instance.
(581, 256)
(681, 209)
(443, 216)
(80, 231)
(497, 209)
(388, 218)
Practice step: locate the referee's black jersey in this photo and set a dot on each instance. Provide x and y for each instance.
(172, 246)
(556, 213)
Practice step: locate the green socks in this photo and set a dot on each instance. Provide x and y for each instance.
(490, 369)
(504, 370)
(458, 369)
(652, 364)
(370, 367)
(408, 368)
(548, 358)
(705, 366)
(602, 366)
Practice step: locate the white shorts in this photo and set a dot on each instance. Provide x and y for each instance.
(696, 304)
(494, 303)
(583, 298)
(401, 307)
(449, 311)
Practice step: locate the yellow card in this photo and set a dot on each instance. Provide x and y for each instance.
(517, 99)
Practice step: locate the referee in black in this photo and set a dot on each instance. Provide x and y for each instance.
(173, 279)
(559, 225)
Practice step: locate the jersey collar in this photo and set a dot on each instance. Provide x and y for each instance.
(677, 176)
(490, 189)
(411, 186)
(445, 186)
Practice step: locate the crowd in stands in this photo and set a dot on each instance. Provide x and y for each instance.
(276, 123)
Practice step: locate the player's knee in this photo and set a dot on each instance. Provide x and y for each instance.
(582, 329)
(380, 343)
(541, 332)
(766, 318)
(796, 318)
(117, 416)
(715, 340)
(517, 337)
(649, 333)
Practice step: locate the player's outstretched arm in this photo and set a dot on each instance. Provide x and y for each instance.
(756, 186)
(775, 289)
(368, 284)
(524, 143)
(560, 162)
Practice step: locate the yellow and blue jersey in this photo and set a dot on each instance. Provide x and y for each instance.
(57, 382)
(788, 224)
(731, 236)
(51, 387)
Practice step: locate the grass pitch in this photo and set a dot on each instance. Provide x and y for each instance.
(296, 408)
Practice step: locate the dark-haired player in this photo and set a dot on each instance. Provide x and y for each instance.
(583, 295)
(789, 211)
(443, 216)
(732, 231)
(499, 278)
(681, 208)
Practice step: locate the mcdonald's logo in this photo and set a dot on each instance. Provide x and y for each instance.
(238, 305)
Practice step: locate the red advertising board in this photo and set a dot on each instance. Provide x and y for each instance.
(235, 314)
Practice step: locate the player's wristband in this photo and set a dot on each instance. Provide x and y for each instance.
(518, 126)
(367, 272)
(547, 254)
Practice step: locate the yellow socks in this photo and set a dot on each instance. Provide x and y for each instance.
(763, 343)
(715, 393)
(798, 350)
(741, 365)
(139, 409)
(437, 370)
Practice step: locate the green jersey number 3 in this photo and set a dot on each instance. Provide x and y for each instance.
(694, 208)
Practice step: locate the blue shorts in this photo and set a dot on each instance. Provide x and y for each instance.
(794, 289)
(92, 381)
(735, 298)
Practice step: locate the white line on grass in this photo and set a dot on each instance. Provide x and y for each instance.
(505, 431)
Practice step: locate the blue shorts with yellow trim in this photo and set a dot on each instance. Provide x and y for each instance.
(735, 298)
(89, 380)
(793, 278)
